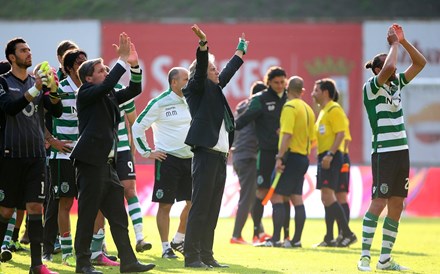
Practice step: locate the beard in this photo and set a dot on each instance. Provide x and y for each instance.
(24, 64)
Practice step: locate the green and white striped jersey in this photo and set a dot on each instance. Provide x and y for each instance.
(66, 126)
(384, 109)
(126, 107)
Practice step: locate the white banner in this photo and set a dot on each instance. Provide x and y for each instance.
(43, 37)
(425, 36)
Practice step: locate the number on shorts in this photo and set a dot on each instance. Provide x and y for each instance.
(130, 166)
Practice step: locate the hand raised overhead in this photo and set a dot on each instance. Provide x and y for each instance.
(123, 50)
(392, 36)
(199, 32)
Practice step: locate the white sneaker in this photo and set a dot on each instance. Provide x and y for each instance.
(364, 264)
(391, 265)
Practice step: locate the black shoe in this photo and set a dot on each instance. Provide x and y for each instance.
(169, 254)
(214, 263)
(326, 243)
(136, 267)
(141, 246)
(87, 269)
(347, 241)
(197, 264)
(5, 255)
(178, 247)
(47, 257)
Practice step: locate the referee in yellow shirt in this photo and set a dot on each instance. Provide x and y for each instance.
(330, 131)
(296, 132)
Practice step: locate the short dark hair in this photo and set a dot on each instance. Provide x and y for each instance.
(376, 62)
(69, 58)
(5, 66)
(11, 46)
(174, 72)
(257, 86)
(64, 46)
(296, 84)
(87, 68)
(329, 85)
(273, 72)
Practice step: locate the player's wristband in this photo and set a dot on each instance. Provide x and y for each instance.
(33, 91)
(242, 46)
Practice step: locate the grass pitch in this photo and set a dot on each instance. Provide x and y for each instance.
(417, 247)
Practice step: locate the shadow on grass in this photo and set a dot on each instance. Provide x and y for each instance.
(358, 251)
(177, 266)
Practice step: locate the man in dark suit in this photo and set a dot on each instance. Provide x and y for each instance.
(210, 135)
(94, 155)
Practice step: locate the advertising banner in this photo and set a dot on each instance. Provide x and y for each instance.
(312, 51)
(423, 195)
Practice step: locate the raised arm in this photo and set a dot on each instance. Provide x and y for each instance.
(203, 43)
(389, 65)
(418, 60)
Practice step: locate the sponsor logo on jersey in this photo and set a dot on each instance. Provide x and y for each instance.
(260, 180)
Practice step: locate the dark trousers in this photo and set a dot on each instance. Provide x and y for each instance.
(50, 224)
(99, 188)
(50, 229)
(209, 176)
(246, 170)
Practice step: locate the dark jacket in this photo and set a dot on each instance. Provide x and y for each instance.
(265, 109)
(245, 144)
(98, 116)
(21, 121)
(207, 103)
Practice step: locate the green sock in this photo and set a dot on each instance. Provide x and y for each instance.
(369, 225)
(9, 230)
(66, 244)
(134, 210)
(96, 245)
(389, 231)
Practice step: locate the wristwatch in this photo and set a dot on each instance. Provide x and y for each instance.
(202, 43)
(329, 153)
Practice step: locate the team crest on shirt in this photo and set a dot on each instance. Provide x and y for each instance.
(2, 195)
(384, 188)
(321, 129)
(159, 194)
(260, 180)
(64, 187)
(271, 106)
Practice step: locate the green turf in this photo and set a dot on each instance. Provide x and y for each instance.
(417, 247)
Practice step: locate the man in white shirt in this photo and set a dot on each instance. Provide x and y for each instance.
(168, 115)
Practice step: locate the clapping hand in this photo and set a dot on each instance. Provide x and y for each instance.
(399, 32)
(123, 50)
(392, 36)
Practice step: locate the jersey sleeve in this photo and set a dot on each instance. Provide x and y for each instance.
(143, 122)
(338, 120)
(250, 114)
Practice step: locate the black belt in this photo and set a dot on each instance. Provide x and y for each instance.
(205, 149)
